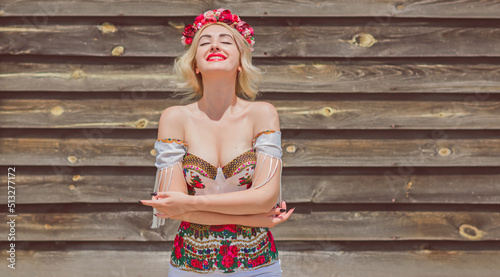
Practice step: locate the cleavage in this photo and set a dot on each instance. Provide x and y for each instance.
(238, 156)
(228, 170)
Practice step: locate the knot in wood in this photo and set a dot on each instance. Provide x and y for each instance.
(117, 51)
(291, 148)
(107, 28)
(470, 232)
(77, 74)
(364, 40)
(76, 178)
(444, 151)
(326, 111)
(71, 187)
(72, 159)
(141, 123)
(57, 110)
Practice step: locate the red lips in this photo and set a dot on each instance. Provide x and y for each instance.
(216, 55)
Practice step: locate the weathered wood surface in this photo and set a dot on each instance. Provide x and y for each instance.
(303, 185)
(296, 76)
(416, 263)
(308, 226)
(311, 149)
(415, 112)
(357, 39)
(295, 8)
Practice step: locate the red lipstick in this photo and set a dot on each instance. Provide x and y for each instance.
(216, 55)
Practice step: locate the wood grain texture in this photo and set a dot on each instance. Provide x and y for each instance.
(417, 263)
(389, 112)
(385, 113)
(306, 185)
(295, 8)
(301, 150)
(310, 226)
(360, 39)
(294, 76)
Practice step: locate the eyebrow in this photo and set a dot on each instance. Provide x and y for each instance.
(221, 35)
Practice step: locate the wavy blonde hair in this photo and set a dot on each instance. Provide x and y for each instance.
(246, 80)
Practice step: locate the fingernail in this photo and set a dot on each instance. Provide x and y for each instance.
(154, 193)
(282, 210)
(293, 208)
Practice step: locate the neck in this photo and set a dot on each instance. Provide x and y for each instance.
(219, 96)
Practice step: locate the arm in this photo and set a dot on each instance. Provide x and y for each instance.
(251, 201)
(170, 125)
(269, 219)
(169, 153)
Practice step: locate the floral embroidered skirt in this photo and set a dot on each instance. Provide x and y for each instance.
(223, 249)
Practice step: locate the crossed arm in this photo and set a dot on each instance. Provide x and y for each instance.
(251, 206)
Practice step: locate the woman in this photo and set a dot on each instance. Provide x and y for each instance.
(208, 152)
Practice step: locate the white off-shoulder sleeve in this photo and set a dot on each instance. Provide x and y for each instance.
(169, 153)
(268, 144)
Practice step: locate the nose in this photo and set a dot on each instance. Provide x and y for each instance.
(215, 45)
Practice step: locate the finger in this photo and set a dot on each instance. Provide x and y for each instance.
(277, 211)
(283, 205)
(284, 216)
(162, 194)
(160, 215)
(149, 202)
(288, 214)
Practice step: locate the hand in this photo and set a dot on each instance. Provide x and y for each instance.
(274, 216)
(170, 203)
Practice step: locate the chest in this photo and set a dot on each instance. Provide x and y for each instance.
(219, 142)
(204, 178)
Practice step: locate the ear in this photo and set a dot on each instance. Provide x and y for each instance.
(239, 68)
(197, 71)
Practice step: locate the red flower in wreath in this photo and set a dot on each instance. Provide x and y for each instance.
(219, 15)
(226, 17)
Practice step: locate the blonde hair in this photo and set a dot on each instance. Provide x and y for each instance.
(246, 80)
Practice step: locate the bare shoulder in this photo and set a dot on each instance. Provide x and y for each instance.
(264, 116)
(171, 123)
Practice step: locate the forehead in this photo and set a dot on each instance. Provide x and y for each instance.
(215, 31)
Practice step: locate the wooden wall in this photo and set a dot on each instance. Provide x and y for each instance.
(390, 112)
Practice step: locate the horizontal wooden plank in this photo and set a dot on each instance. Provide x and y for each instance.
(296, 8)
(417, 263)
(299, 150)
(294, 76)
(60, 184)
(387, 113)
(398, 39)
(309, 226)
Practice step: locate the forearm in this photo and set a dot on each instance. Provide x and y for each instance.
(250, 201)
(212, 218)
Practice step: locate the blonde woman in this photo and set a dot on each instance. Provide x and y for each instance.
(219, 159)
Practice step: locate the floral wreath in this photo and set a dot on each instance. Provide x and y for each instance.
(220, 15)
